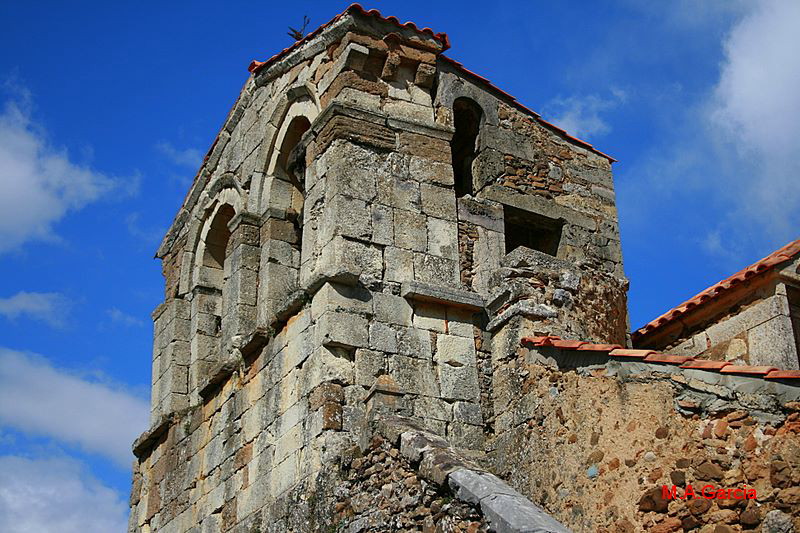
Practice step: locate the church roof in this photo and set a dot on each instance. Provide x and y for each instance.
(256, 66)
(783, 254)
(444, 41)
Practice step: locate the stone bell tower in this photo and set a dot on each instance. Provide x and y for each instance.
(373, 226)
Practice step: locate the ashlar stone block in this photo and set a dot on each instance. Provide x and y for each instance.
(454, 350)
(414, 376)
(345, 259)
(458, 382)
(439, 202)
(410, 230)
(346, 216)
(435, 270)
(430, 317)
(426, 407)
(343, 330)
(443, 238)
(336, 297)
(398, 264)
(414, 342)
(382, 337)
(392, 309)
(382, 224)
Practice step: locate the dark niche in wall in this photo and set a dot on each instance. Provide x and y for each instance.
(531, 230)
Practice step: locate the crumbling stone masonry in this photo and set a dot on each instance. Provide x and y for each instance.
(349, 281)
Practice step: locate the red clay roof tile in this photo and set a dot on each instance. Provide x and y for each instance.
(777, 257)
(667, 358)
(624, 352)
(704, 364)
(651, 356)
(589, 347)
(255, 66)
(747, 369)
(567, 345)
(540, 341)
(783, 374)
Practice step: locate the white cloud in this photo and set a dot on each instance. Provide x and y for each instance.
(121, 317)
(189, 157)
(56, 495)
(39, 183)
(581, 115)
(755, 110)
(725, 174)
(50, 307)
(41, 400)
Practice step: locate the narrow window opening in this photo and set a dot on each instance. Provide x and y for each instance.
(291, 162)
(216, 246)
(531, 230)
(467, 121)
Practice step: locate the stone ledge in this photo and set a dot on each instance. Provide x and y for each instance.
(510, 514)
(506, 510)
(380, 119)
(146, 440)
(218, 374)
(526, 308)
(424, 292)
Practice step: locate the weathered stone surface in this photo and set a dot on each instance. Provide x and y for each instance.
(340, 344)
(443, 295)
(511, 514)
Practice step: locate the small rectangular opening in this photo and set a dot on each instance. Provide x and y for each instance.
(531, 230)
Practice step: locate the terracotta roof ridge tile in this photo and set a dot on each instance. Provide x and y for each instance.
(705, 364)
(668, 358)
(747, 369)
(587, 347)
(256, 65)
(651, 356)
(783, 374)
(628, 352)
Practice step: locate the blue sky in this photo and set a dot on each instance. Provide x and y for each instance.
(106, 109)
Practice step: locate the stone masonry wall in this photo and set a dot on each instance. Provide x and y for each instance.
(593, 440)
(754, 329)
(317, 276)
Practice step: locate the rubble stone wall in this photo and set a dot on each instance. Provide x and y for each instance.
(593, 440)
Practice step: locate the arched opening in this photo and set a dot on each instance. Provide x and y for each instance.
(216, 251)
(467, 117)
(291, 165)
(290, 161)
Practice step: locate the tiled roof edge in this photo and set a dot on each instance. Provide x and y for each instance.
(761, 266)
(256, 66)
(651, 356)
(523, 108)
